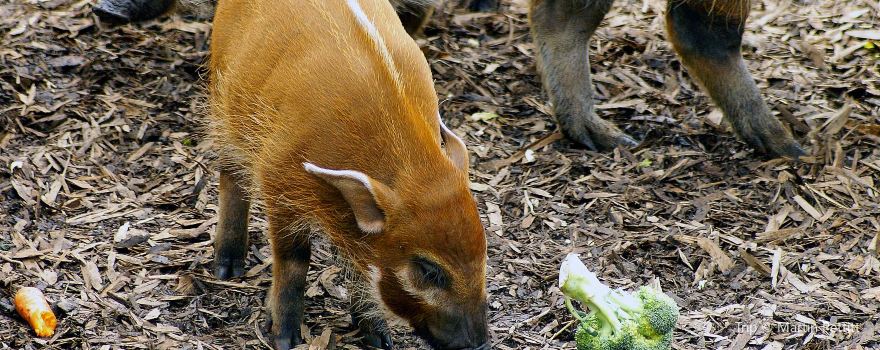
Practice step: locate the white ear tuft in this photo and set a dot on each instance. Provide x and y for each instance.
(455, 147)
(361, 193)
(352, 174)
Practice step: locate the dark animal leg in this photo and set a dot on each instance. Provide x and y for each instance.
(291, 252)
(231, 238)
(707, 34)
(373, 330)
(562, 30)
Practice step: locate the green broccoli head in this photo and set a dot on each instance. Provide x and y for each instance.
(587, 337)
(617, 320)
(660, 311)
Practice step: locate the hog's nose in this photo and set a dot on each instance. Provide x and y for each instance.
(471, 335)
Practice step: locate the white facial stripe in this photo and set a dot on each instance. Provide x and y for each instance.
(378, 41)
(431, 296)
(351, 174)
(375, 277)
(390, 317)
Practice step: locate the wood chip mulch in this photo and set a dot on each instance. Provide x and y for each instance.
(108, 193)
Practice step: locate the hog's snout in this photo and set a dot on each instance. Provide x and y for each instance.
(457, 331)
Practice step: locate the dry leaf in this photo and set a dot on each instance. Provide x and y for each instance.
(92, 276)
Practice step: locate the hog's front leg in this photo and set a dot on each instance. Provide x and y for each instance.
(373, 329)
(231, 237)
(291, 253)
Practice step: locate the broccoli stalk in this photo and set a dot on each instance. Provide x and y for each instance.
(617, 319)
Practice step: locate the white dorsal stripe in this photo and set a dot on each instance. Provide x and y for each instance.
(378, 42)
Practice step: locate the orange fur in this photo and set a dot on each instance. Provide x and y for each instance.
(303, 81)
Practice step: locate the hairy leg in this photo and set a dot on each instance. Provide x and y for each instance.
(372, 327)
(231, 238)
(562, 30)
(291, 251)
(707, 34)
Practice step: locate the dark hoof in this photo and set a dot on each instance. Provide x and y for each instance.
(225, 269)
(791, 150)
(374, 332)
(287, 343)
(124, 11)
(593, 132)
(109, 11)
(381, 341)
(773, 141)
(483, 5)
(605, 139)
(788, 147)
(624, 140)
(283, 342)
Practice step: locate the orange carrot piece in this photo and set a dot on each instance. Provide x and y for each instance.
(32, 306)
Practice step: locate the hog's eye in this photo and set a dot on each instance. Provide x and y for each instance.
(429, 274)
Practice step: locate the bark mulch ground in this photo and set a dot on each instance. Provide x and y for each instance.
(108, 194)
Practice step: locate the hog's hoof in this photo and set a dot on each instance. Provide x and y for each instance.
(792, 150)
(125, 11)
(111, 11)
(769, 138)
(596, 134)
(287, 343)
(226, 268)
(483, 5)
(776, 145)
(374, 332)
(380, 341)
(283, 342)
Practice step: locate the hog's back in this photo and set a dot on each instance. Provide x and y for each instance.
(300, 80)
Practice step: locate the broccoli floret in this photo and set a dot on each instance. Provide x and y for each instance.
(617, 320)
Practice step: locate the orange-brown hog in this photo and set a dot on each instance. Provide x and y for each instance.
(326, 111)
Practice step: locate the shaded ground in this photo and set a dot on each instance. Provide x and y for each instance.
(107, 195)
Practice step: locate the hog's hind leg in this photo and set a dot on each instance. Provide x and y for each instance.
(707, 34)
(291, 250)
(562, 30)
(231, 237)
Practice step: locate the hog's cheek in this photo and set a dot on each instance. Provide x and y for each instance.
(380, 292)
(401, 302)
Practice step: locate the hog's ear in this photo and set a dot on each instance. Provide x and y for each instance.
(455, 148)
(365, 196)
